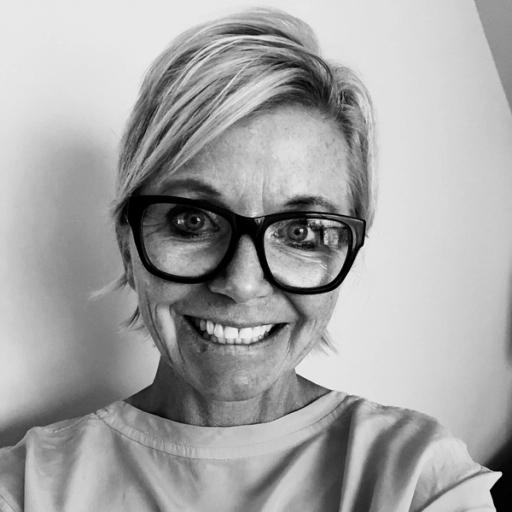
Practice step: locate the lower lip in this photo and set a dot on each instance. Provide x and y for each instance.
(267, 339)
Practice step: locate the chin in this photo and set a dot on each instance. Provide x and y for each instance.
(223, 371)
(230, 371)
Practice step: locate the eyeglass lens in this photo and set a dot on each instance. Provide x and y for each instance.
(187, 241)
(306, 252)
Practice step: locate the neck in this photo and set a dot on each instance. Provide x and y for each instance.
(173, 398)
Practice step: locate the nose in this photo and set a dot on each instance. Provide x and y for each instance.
(242, 280)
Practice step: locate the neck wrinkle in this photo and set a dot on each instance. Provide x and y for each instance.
(172, 398)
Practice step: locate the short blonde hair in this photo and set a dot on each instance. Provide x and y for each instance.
(226, 70)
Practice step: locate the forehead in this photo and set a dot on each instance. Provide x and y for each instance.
(265, 162)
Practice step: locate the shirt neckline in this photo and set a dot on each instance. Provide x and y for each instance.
(221, 442)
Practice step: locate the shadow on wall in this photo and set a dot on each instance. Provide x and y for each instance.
(71, 353)
(502, 460)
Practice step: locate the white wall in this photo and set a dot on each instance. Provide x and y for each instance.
(424, 320)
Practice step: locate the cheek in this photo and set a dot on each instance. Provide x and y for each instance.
(155, 295)
(152, 290)
(317, 309)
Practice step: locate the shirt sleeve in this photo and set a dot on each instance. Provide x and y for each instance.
(451, 481)
(472, 495)
(4, 506)
(12, 469)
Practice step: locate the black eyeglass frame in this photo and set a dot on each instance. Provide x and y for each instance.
(255, 227)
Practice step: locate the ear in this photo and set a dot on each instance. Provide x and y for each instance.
(123, 240)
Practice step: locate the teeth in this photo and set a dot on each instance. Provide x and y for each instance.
(227, 334)
(230, 333)
(246, 333)
(218, 331)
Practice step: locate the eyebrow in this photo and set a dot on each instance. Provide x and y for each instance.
(300, 201)
(194, 185)
(311, 202)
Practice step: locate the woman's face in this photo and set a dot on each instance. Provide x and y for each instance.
(290, 158)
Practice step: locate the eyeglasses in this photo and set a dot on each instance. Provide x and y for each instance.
(191, 241)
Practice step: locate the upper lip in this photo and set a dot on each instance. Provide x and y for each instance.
(236, 323)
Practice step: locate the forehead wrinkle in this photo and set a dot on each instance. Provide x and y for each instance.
(247, 161)
(258, 166)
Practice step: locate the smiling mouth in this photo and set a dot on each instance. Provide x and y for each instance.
(231, 335)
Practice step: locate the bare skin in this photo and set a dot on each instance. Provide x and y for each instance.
(193, 408)
(289, 158)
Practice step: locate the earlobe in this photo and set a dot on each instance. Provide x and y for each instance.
(128, 270)
(124, 246)
(128, 266)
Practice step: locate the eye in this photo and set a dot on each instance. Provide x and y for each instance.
(310, 234)
(191, 221)
(297, 232)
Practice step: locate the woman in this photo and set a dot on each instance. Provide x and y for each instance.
(244, 194)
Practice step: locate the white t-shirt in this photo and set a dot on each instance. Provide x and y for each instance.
(340, 453)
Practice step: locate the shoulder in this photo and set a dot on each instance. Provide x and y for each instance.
(395, 427)
(43, 450)
(410, 454)
(12, 470)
